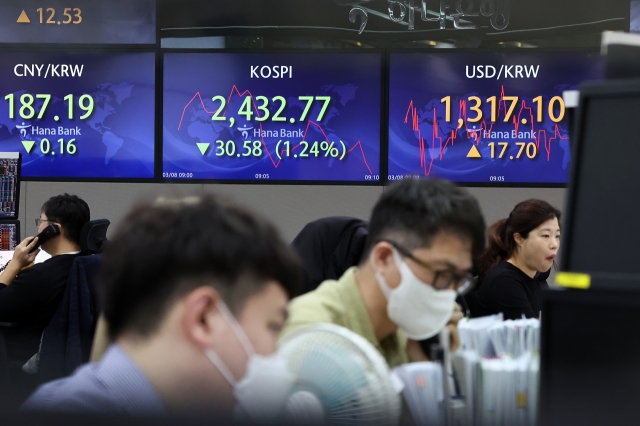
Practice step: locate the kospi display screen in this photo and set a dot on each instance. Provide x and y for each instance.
(493, 118)
(79, 115)
(282, 117)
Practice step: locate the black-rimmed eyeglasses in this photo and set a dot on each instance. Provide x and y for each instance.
(39, 221)
(442, 279)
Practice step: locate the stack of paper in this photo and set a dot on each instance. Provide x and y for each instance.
(515, 337)
(5, 257)
(496, 372)
(474, 334)
(497, 369)
(423, 392)
(466, 365)
(508, 390)
(491, 336)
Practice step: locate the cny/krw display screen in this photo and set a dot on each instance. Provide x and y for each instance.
(79, 115)
(286, 117)
(484, 118)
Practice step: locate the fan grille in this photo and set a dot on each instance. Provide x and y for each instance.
(345, 372)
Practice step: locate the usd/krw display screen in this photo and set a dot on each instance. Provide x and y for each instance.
(79, 115)
(484, 118)
(285, 117)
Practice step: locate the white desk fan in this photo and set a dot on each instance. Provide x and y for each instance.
(340, 379)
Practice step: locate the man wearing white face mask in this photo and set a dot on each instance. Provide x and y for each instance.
(196, 292)
(423, 237)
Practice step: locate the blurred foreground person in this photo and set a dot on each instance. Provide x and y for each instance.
(516, 264)
(423, 237)
(195, 294)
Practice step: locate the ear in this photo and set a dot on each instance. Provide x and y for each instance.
(200, 317)
(60, 228)
(518, 239)
(382, 256)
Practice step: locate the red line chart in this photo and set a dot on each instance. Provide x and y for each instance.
(275, 163)
(475, 135)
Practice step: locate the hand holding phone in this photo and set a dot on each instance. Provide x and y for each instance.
(24, 254)
(51, 231)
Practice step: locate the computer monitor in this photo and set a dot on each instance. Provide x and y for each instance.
(602, 230)
(590, 369)
(621, 49)
(10, 166)
(9, 235)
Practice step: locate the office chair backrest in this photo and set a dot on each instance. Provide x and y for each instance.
(93, 236)
(66, 342)
(328, 247)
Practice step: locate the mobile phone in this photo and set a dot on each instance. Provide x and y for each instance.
(47, 233)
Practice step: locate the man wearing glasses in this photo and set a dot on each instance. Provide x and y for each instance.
(29, 296)
(423, 238)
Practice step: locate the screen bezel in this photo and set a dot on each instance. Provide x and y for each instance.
(602, 90)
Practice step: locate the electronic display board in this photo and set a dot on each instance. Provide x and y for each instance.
(283, 117)
(79, 115)
(78, 22)
(9, 236)
(485, 118)
(9, 184)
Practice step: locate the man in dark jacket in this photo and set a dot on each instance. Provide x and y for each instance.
(30, 295)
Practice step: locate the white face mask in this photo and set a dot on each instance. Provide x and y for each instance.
(266, 385)
(419, 310)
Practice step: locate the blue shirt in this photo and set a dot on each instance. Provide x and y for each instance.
(115, 386)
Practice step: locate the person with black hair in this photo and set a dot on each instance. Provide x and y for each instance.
(517, 262)
(423, 238)
(30, 295)
(195, 294)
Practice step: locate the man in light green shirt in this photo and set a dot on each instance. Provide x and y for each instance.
(339, 302)
(423, 237)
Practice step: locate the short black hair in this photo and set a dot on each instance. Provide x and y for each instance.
(70, 211)
(412, 212)
(163, 250)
